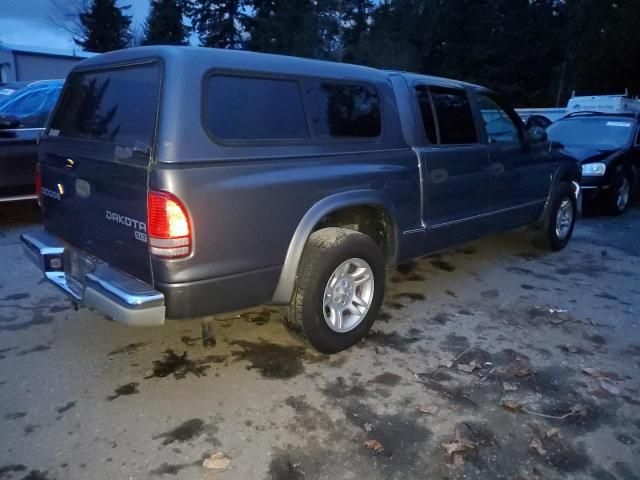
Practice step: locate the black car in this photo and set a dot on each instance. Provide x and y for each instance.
(24, 109)
(608, 145)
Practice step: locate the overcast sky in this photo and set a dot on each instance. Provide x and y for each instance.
(28, 22)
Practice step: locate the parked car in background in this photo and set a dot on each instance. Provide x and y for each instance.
(182, 182)
(608, 145)
(24, 109)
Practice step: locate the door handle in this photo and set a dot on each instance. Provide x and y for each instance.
(69, 163)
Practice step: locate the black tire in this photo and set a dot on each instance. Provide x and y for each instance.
(615, 201)
(325, 250)
(553, 240)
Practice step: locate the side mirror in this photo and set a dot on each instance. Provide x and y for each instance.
(7, 122)
(536, 134)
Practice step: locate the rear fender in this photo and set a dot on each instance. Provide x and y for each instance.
(286, 282)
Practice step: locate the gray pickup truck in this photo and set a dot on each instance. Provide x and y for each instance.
(181, 182)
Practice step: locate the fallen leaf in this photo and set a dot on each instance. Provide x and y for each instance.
(374, 445)
(557, 310)
(609, 387)
(509, 387)
(536, 444)
(217, 461)
(468, 368)
(429, 409)
(521, 372)
(457, 459)
(368, 427)
(552, 432)
(512, 405)
(458, 446)
(579, 409)
(597, 373)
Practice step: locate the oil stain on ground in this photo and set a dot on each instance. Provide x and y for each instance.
(443, 265)
(188, 430)
(123, 390)
(128, 349)
(184, 432)
(392, 340)
(271, 360)
(181, 365)
(66, 407)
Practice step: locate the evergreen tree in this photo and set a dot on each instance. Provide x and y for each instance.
(602, 47)
(289, 27)
(217, 22)
(164, 25)
(354, 20)
(105, 27)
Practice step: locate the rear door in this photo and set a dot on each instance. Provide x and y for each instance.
(94, 162)
(456, 180)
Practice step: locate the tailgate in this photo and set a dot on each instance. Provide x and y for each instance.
(94, 164)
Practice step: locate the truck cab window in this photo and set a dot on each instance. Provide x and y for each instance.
(498, 124)
(426, 111)
(455, 119)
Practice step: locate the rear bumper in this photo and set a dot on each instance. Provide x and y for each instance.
(110, 291)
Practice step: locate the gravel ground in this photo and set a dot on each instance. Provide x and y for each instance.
(497, 360)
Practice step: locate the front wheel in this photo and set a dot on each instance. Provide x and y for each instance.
(620, 193)
(561, 220)
(339, 289)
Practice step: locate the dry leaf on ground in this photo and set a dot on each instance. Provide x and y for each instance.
(429, 409)
(217, 461)
(374, 445)
(536, 444)
(468, 368)
(609, 387)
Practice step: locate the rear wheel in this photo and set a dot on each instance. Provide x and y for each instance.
(339, 289)
(620, 193)
(558, 227)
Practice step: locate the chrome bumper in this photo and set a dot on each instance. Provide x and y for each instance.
(110, 291)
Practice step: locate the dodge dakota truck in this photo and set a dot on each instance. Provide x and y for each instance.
(180, 182)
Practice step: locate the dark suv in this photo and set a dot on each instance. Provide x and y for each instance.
(608, 145)
(180, 182)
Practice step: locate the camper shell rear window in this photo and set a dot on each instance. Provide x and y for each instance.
(118, 105)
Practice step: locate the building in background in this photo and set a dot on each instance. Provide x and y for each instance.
(24, 63)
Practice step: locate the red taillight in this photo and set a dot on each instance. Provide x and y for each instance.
(168, 227)
(38, 183)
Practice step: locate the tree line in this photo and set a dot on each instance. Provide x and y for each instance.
(537, 52)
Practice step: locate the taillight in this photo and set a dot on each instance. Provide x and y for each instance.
(168, 228)
(38, 183)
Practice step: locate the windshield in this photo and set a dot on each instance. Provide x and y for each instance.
(31, 105)
(598, 133)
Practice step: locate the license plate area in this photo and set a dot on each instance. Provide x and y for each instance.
(77, 265)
